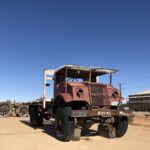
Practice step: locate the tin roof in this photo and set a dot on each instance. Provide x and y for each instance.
(141, 94)
(99, 70)
(144, 92)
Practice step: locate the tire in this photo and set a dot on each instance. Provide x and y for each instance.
(5, 109)
(35, 119)
(121, 126)
(64, 125)
(22, 111)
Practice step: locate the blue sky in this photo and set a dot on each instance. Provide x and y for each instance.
(45, 33)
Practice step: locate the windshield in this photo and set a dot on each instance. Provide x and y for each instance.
(74, 80)
(71, 75)
(98, 79)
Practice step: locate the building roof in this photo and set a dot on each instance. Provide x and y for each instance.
(141, 94)
(144, 92)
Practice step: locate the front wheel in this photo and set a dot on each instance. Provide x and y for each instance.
(64, 125)
(121, 126)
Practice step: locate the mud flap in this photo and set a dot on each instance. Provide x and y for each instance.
(76, 134)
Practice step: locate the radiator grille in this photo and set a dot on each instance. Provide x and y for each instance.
(97, 94)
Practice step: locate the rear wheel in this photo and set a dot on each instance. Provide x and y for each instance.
(121, 126)
(64, 125)
(35, 118)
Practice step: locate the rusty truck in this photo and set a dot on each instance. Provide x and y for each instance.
(79, 101)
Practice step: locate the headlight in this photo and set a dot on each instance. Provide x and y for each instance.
(80, 92)
(115, 94)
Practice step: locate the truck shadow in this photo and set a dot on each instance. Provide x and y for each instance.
(48, 127)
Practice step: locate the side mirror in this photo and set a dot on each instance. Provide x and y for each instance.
(97, 79)
(47, 84)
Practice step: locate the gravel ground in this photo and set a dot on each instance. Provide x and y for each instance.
(17, 134)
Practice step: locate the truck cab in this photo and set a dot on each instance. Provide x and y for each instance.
(80, 84)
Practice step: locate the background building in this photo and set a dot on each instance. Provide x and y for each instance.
(140, 101)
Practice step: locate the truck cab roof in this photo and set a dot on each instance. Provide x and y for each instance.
(71, 69)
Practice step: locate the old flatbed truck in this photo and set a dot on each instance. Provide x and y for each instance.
(79, 102)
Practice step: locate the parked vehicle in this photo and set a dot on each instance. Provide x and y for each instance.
(80, 101)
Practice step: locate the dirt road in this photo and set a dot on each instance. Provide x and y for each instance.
(16, 134)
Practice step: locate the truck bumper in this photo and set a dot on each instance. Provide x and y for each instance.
(100, 113)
